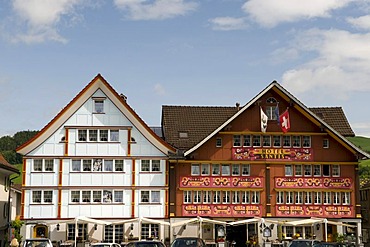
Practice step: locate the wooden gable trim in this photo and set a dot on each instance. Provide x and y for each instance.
(116, 99)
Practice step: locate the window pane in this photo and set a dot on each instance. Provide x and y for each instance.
(48, 196)
(267, 141)
(93, 135)
(144, 196)
(97, 196)
(49, 165)
(103, 135)
(107, 196)
(86, 196)
(256, 141)
(108, 165)
(225, 169)
(247, 140)
(277, 141)
(245, 169)
(205, 169)
(118, 196)
(37, 165)
(86, 165)
(236, 169)
(156, 165)
(215, 169)
(195, 170)
(118, 165)
(286, 141)
(99, 106)
(97, 165)
(36, 196)
(236, 141)
(76, 165)
(114, 135)
(75, 196)
(155, 196)
(82, 134)
(145, 165)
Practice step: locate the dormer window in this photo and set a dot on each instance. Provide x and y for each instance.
(183, 135)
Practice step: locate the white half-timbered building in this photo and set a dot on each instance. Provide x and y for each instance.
(95, 172)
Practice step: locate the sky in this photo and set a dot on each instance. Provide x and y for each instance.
(182, 52)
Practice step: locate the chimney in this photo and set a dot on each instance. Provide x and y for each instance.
(237, 106)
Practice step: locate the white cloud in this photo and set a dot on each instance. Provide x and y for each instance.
(341, 67)
(362, 22)
(159, 89)
(270, 13)
(36, 21)
(228, 23)
(155, 10)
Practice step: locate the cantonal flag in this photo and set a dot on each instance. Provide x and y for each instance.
(285, 121)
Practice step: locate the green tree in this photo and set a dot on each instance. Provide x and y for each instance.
(7, 143)
(17, 225)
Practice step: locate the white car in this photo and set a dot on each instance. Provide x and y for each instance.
(37, 242)
(105, 245)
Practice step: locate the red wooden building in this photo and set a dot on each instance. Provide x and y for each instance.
(272, 163)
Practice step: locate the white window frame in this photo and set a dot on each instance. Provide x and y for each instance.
(98, 106)
(237, 141)
(216, 169)
(289, 170)
(187, 196)
(195, 169)
(247, 141)
(335, 170)
(218, 142)
(205, 169)
(246, 170)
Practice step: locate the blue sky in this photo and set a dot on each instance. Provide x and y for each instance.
(182, 52)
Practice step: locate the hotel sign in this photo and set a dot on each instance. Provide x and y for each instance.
(221, 182)
(313, 182)
(335, 211)
(286, 154)
(221, 210)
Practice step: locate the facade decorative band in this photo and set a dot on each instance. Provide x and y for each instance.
(221, 210)
(313, 182)
(221, 182)
(286, 154)
(339, 211)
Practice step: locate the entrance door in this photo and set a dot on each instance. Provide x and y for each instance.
(237, 234)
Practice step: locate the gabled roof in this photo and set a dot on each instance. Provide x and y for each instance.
(335, 117)
(196, 121)
(289, 98)
(97, 83)
(6, 166)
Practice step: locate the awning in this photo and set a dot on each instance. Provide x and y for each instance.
(140, 220)
(196, 220)
(242, 222)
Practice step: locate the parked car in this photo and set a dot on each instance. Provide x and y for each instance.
(303, 243)
(105, 245)
(37, 242)
(145, 243)
(331, 244)
(188, 242)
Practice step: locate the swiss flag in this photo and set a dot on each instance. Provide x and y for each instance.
(285, 121)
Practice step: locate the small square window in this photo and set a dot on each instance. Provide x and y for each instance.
(118, 165)
(218, 142)
(97, 196)
(145, 165)
(86, 165)
(156, 165)
(195, 169)
(325, 143)
(144, 196)
(99, 106)
(215, 169)
(205, 169)
(82, 135)
(236, 142)
(225, 169)
(183, 135)
(114, 135)
(267, 141)
(108, 165)
(48, 196)
(36, 196)
(103, 135)
(37, 165)
(247, 140)
(49, 165)
(93, 135)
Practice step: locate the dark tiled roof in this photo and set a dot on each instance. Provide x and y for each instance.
(195, 121)
(199, 121)
(5, 165)
(335, 117)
